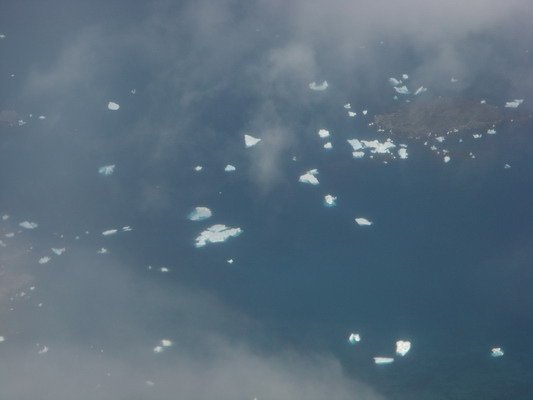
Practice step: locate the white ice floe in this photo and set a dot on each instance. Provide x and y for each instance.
(496, 352)
(506, 166)
(318, 86)
(323, 133)
(58, 251)
(420, 90)
(401, 89)
(113, 106)
(199, 214)
(107, 170)
(483, 101)
(405, 76)
(250, 141)
(127, 228)
(402, 153)
(166, 342)
(41, 117)
(103, 250)
(446, 159)
(403, 347)
(378, 147)
(230, 261)
(158, 349)
(164, 269)
(310, 177)
(358, 154)
(198, 168)
(361, 221)
(44, 260)
(43, 350)
(10, 234)
(354, 338)
(229, 168)
(2, 339)
(216, 234)
(355, 143)
(28, 225)
(328, 146)
(330, 200)
(365, 112)
(347, 106)
(491, 131)
(109, 232)
(351, 114)
(514, 104)
(477, 135)
(2, 36)
(394, 81)
(383, 360)
(5, 217)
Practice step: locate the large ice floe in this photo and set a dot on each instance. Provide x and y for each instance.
(403, 347)
(514, 104)
(383, 360)
(361, 221)
(216, 234)
(310, 177)
(354, 338)
(330, 201)
(28, 225)
(318, 86)
(107, 170)
(112, 106)
(250, 141)
(199, 214)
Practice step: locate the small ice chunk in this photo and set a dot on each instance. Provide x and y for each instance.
(401, 89)
(41, 117)
(5, 217)
(351, 114)
(216, 234)
(477, 135)
(383, 360)
(127, 228)
(166, 342)
(44, 350)
(355, 143)
(440, 139)
(158, 349)
(149, 383)
(358, 154)
(310, 177)
(506, 166)
(420, 90)
(199, 214)
(347, 106)
(198, 168)
(103, 250)
(113, 106)
(365, 112)
(403, 153)
(250, 141)
(514, 104)
(446, 159)
(328, 145)
(361, 221)
(483, 101)
(28, 225)
(2, 36)
(164, 269)
(58, 251)
(491, 131)
(405, 76)
(230, 261)
(109, 232)
(44, 260)
(318, 86)
(453, 80)
(106, 170)
(354, 338)
(496, 352)
(2, 339)
(403, 347)
(229, 168)
(330, 200)
(323, 133)
(394, 81)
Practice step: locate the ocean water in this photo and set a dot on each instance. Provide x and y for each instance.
(446, 263)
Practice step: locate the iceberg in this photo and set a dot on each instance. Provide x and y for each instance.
(330, 201)
(44, 260)
(403, 347)
(199, 214)
(328, 146)
(401, 89)
(403, 153)
(106, 170)
(318, 86)
(113, 106)
(420, 90)
(496, 352)
(309, 177)
(28, 225)
(229, 168)
(216, 234)
(58, 251)
(354, 338)
(363, 221)
(109, 232)
(250, 141)
(514, 104)
(383, 360)
(323, 133)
